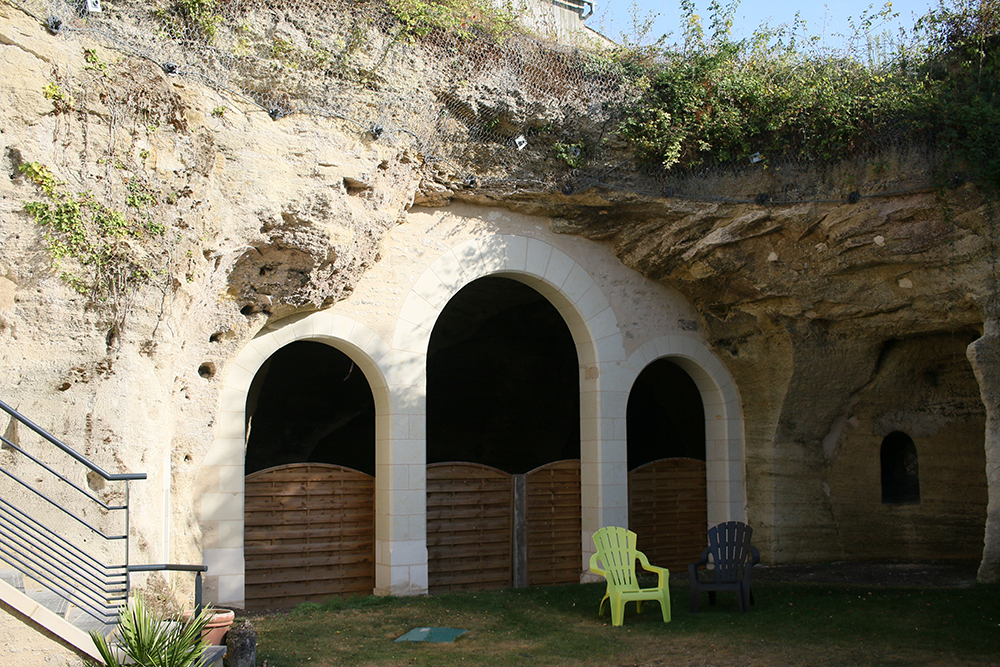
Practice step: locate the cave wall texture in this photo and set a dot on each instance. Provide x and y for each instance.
(837, 323)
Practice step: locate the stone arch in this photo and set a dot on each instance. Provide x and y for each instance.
(600, 352)
(725, 458)
(220, 504)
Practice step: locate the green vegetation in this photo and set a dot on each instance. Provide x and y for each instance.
(572, 154)
(465, 18)
(94, 62)
(62, 101)
(100, 251)
(202, 15)
(790, 624)
(150, 640)
(714, 99)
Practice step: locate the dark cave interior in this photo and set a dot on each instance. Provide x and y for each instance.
(666, 418)
(502, 390)
(502, 380)
(310, 402)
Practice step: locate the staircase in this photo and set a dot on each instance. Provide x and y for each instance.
(64, 553)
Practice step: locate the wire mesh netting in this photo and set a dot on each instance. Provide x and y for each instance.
(510, 112)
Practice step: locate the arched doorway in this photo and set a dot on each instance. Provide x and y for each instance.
(503, 401)
(667, 469)
(309, 488)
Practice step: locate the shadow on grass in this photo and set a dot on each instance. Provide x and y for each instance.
(790, 624)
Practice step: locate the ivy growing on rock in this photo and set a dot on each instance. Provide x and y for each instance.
(101, 252)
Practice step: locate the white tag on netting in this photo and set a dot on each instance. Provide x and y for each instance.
(94, 6)
(520, 142)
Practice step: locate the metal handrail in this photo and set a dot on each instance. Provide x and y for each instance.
(57, 506)
(73, 453)
(82, 572)
(59, 475)
(69, 549)
(197, 569)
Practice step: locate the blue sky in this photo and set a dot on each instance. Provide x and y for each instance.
(613, 17)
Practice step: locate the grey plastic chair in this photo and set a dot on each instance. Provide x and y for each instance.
(733, 556)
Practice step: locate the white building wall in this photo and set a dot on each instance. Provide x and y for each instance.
(619, 321)
(559, 21)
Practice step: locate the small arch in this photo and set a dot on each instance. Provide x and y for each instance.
(309, 403)
(900, 470)
(665, 415)
(724, 440)
(221, 484)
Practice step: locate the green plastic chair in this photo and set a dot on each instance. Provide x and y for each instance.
(616, 551)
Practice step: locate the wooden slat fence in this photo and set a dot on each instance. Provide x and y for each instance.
(554, 524)
(469, 523)
(668, 510)
(309, 535)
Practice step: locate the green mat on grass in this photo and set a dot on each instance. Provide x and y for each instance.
(436, 635)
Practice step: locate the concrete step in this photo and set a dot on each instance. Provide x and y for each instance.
(213, 657)
(54, 602)
(13, 577)
(88, 623)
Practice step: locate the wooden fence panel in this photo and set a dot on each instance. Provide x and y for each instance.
(469, 510)
(668, 510)
(554, 524)
(309, 534)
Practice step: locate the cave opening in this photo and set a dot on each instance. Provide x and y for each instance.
(665, 416)
(900, 469)
(503, 385)
(309, 402)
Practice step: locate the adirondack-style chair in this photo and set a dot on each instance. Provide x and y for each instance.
(733, 557)
(616, 551)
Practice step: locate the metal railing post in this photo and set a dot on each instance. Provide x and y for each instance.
(128, 579)
(197, 594)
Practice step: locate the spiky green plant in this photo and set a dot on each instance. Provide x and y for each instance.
(149, 640)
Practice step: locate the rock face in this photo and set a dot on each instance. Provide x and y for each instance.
(840, 324)
(843, 324)
(257, 223)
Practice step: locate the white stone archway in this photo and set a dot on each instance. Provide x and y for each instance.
(396, 373)
(725, 457)
(600, 352)
(220, 497)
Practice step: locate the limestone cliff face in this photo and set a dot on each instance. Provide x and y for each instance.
(261, 219)
(817, 307)
(841, 323)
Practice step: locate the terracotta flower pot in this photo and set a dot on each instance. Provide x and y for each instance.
(215, 632)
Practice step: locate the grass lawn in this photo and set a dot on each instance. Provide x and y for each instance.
(790, 624)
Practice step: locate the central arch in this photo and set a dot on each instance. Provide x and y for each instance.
(503, 387)
(602, 370)
(502, 399)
